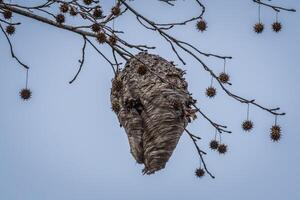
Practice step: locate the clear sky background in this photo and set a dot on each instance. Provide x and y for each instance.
(66, 143)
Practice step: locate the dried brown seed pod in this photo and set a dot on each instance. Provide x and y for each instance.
(176, 104)
(117, 85)
(142, 69)
(116, 10)
(25, 94)
(73, 11)
(222, 148)
(101, 37)
(247, 125)
(276, 26)
(87, 2)
(112, 39)
(7, 14)
(211, 92)
(258, 27)
(60, 18)
(115, 106)
(214, 144)
(199, 172)
(223, 77)
(64, 8)
(97, 13)
(201, 25)
(96, 27)
(10, 29)
(275, 133)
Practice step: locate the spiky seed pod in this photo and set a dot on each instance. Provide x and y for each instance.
(64, 8)
(258, 27)
(115, 106)
(201, 25)
(275, 133)
(214, 144)
(176, 104)
(117, 85)
(276, 129)
(222, 148)
(116, 10)
(73, 11)
(60, 18)
(96, 27)
(97, 12)
(112, 40)
(211, 92)
(199, 172)
(7, 14)
(224, 78)
(142, 69)
(25, 94)
(276, 26)
(275, 136)
(101, 37)
(87, 2)
(247, 125)
(10, 29)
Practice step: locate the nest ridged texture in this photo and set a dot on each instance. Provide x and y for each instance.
(152, 108)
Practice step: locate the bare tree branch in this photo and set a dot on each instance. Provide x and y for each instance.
(92, 22)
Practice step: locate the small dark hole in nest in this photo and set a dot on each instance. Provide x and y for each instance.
(134, 104)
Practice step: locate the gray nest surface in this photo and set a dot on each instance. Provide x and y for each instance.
(152, 103)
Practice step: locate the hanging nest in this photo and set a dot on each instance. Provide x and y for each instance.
(154, 107)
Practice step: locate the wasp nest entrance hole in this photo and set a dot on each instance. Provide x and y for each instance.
(152, 103)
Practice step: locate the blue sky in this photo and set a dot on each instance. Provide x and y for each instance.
(66, 143)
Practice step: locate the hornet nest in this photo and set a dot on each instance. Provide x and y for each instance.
(153, 107)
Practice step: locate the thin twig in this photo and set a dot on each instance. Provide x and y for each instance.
(80, 61)
(11, 49)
